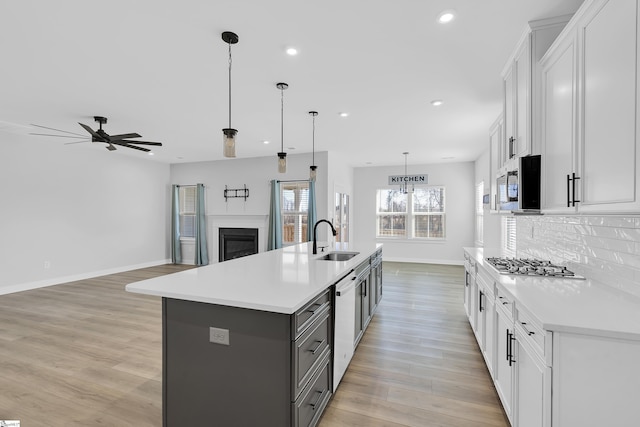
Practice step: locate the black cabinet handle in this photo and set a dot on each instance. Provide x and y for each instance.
(511, 153)
(525, 329)
(571, 185)
(320, 344)
(480, 295)
(511, 338)
(313, 310)
(508, 344)
(318, 400)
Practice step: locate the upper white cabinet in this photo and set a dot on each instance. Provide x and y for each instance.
(495, 160)
(521, 107)
(589, 84)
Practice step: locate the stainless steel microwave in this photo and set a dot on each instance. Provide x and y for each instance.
(519, 190)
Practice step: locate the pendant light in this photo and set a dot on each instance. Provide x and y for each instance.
(282, 156)
(229, 134)
(404, 186)
(313, 169)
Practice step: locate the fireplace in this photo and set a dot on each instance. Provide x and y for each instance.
(237, 242)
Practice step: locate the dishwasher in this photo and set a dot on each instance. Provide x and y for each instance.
(345, 303)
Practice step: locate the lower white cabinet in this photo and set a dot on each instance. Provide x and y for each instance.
(503, 374)
(551, 378)
(533, 384)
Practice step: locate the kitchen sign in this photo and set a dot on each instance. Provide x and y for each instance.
(409, 179)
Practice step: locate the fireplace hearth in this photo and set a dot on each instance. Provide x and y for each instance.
(237, 243)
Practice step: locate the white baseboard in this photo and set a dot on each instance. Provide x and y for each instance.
(65, 279)
(424, 261)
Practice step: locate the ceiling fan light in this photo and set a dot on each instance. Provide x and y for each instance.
(282, 162)
(229, 142)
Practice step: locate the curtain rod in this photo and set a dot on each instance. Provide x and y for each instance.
(293, 180)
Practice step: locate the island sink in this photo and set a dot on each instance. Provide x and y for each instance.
(338, 256)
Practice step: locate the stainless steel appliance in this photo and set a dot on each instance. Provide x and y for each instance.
(344, 326)
(530, 267)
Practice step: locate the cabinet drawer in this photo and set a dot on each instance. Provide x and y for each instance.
(504, 300)
(533, 333)
(310, 312)
(309, 350)
(308, 408)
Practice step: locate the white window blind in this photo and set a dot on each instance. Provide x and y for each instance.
(187, 196)
(509, 236)
(294, 206)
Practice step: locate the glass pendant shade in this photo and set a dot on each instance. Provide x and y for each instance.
(313, 172)
(229, 142)
(282, 162)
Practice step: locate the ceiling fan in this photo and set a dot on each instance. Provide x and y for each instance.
(101, 136)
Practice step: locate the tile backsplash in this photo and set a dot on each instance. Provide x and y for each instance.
(604, 248)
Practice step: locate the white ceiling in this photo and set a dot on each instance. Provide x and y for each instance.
(159, 68)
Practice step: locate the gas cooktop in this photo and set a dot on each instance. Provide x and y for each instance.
(531, 267)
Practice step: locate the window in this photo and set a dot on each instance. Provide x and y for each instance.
(187, 199)
(341, 219)
(294, 205)
(479, 214)
(416, 215)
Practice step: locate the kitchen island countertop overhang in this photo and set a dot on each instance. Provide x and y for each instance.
(279, 281)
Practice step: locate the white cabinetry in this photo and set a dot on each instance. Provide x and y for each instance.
(503, 373)
(485, 323)
(521, 102)
(495, 159)
(589, 79)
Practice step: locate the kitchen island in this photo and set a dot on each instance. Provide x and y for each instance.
(249, 341)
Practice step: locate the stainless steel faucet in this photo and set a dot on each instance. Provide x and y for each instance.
(315, 228)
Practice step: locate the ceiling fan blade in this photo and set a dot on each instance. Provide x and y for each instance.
(92, 132)
(124, 136)
(58, 136)
(159, 144)
(57, 130)
(124, 144)
(77, 142)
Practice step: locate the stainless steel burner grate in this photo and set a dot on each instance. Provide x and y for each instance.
(530, 267)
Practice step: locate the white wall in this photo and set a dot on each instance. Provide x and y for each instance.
(458, 179)
(82, 209)
(256, 173)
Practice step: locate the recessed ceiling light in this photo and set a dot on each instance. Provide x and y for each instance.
(150, 153)
(343, 114)
(446, 16)
(448, 158)
(292, 51)
(437, 102)
(265, 142)
(368, 163)
(291, 148)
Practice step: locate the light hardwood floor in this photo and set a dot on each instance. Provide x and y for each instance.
(88, 353)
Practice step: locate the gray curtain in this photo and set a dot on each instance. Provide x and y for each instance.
(311, 214)
(202, 257)
(275, 219)
(176, 255)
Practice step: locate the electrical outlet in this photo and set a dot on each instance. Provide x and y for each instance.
(219, 336)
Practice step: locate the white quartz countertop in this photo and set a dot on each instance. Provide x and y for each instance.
(569, 305)
(280, 281)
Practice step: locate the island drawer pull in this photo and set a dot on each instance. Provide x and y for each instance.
(320, 344)
(525, 329)
(317, 307)
(318, 400)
